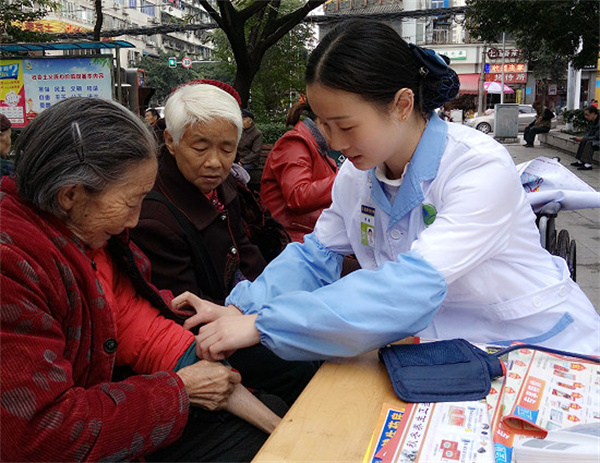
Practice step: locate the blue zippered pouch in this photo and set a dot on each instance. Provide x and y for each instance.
(449, 371)
(441, 371)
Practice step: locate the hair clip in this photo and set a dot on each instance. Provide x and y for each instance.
(78, 140)
(433, 62)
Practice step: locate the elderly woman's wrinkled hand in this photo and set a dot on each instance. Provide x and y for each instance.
(209, 385)
(219, 339)
(206, 311)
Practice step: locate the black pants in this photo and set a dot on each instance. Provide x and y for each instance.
(218, 436)
(531, 132)
(262, 370)
(585, 151)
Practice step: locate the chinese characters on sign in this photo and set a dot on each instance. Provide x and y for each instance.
(32, 85)
(496, 53)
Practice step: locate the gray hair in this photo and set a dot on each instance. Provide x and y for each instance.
(79, 141)
(194, 103)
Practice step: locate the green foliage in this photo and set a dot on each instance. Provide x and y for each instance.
(576, 117)
(20, 11)
(554, 28)
(272, 131)
(280, 77)
(164, 79)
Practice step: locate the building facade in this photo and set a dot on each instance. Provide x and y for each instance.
(77, 16)
(477, 64)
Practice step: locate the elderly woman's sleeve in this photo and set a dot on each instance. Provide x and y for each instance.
(57, 401)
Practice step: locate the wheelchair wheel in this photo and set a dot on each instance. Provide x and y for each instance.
(547, 229)
(572, 260)
(542, 224)
(562, 244)
(551, 235)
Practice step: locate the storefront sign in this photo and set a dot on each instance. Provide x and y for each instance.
(509, 77)
(455, 54)
(496, 53)
(508, 67)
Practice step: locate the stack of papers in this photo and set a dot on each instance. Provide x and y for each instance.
(545, 409)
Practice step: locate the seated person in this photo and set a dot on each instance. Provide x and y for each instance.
(250, 145)
(589, 142)
(76, 302)
(541, 124)
(190, 225)
(152, 117)
(6, 165)
(298, 175)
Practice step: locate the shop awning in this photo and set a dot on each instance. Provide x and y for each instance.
(469, 83)
(23, 47)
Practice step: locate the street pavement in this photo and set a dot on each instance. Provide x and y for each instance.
(583, 225)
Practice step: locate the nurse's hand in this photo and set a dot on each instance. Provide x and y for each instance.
(218, 340)
(206, 311)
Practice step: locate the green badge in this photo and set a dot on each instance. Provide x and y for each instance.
(429, 214)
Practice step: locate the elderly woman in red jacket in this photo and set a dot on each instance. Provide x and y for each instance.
(298, 174)
(76, 303)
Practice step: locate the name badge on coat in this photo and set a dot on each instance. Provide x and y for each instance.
(367, 226)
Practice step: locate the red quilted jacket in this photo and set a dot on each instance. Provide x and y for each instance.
(58, 345)
(297, 181)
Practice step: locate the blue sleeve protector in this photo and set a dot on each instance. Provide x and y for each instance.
(317, 317)
(300, 267)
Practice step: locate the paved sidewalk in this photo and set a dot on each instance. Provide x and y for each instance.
(583, 225)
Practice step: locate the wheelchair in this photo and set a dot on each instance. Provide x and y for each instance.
(557, 243)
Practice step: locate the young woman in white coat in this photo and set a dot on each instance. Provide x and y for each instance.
(434, 212)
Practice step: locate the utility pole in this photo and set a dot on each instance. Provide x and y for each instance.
(481, 82)
(503, 61)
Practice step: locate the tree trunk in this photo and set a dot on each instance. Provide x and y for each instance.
(99, 19)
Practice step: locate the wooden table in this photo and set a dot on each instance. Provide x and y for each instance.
(335, 416)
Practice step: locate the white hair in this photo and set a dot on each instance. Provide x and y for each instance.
(194, 103)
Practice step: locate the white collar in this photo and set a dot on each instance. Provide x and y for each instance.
(380, 174)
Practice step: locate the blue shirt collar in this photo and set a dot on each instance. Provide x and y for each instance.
(424, 166)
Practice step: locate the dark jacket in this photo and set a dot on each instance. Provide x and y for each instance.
(593, 134)
(250, 146)
(164, 241)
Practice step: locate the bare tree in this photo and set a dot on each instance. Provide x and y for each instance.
(249, 46)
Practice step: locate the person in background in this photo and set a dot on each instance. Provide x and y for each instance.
(190, 224)
(77, 306)
(589, 142)
(6, 165)
(594, 103)
(153, 118)
(455, 251)
(298, 174)
(445, 115)
(250, 145)
(541, 124)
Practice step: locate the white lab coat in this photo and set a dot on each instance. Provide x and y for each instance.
(461, 209)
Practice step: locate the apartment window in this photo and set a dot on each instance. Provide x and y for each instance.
(148, 8)
(133, 4)
(439, 3)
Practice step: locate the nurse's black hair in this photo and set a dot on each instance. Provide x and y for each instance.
(370, 59)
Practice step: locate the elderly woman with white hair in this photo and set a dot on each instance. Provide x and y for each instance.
(191, 227)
